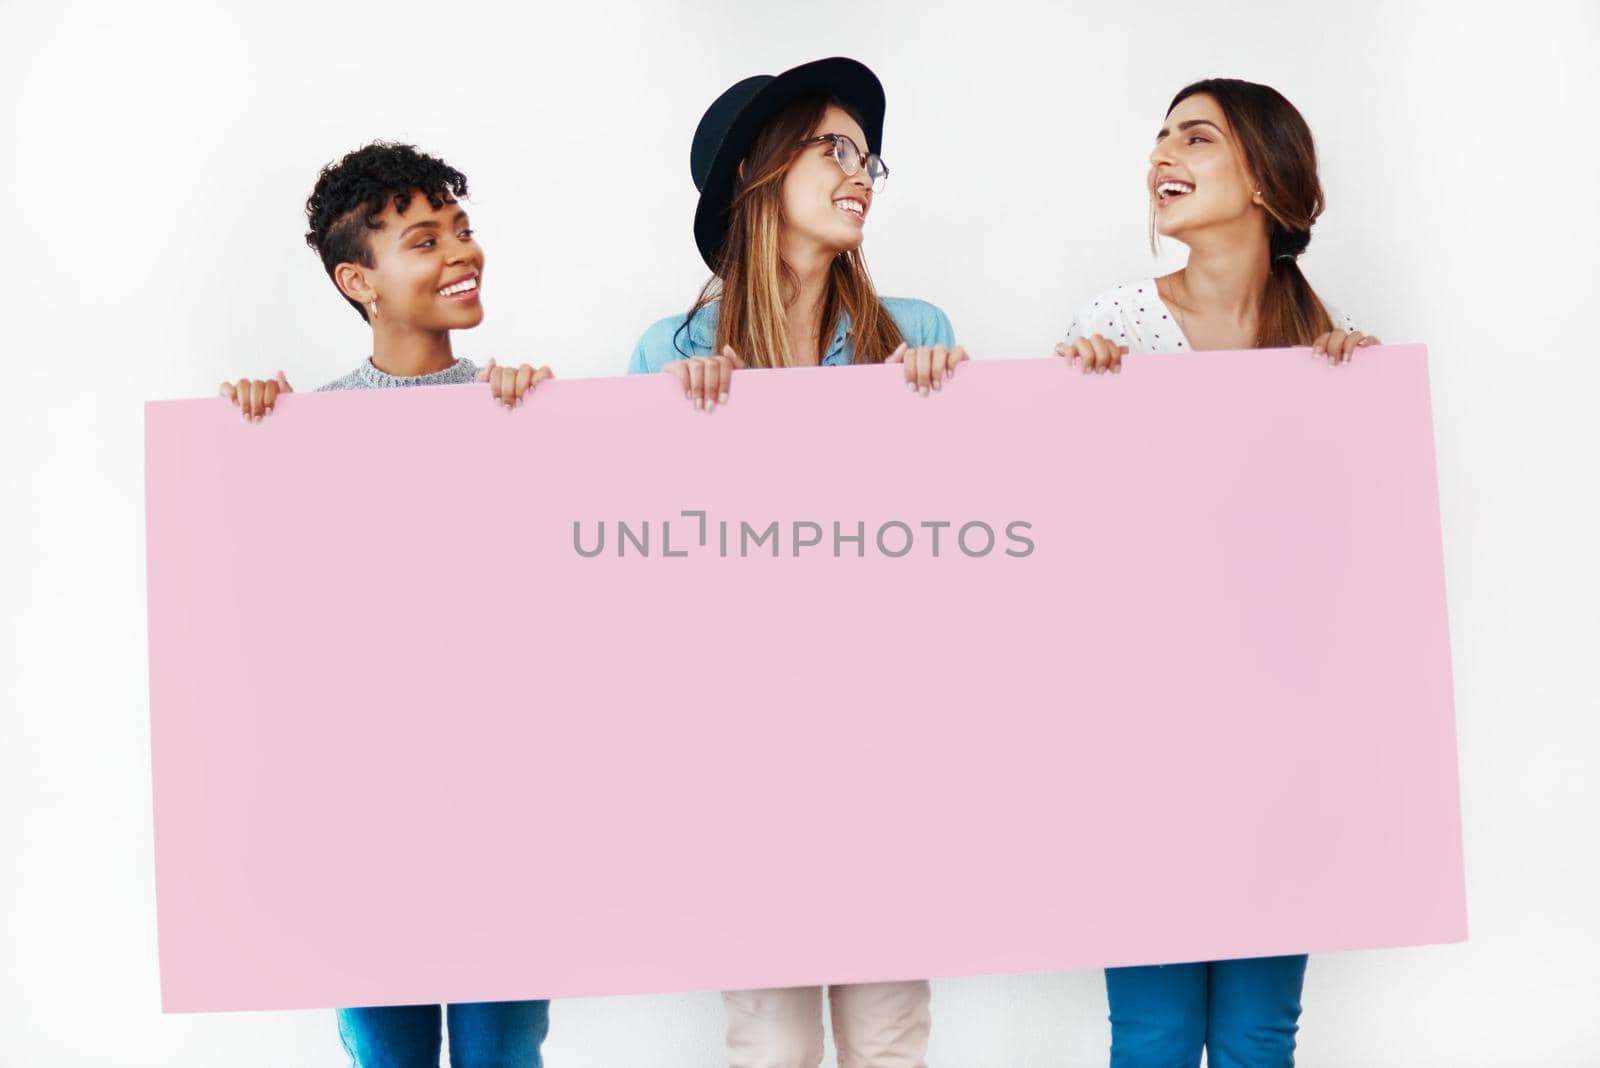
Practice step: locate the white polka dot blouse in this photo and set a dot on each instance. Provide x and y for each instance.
(1133, 314)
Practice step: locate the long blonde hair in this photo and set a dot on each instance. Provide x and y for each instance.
(752, 279)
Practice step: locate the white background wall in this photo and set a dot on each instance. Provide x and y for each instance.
(154, 161)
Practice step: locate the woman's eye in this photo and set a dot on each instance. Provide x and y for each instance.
(427, 243)
(466, 235)
(1196, 138)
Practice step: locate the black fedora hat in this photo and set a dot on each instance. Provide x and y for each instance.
(736, 118)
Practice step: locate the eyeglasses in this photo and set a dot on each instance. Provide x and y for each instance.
(848, 155)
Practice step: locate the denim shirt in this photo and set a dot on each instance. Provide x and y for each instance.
(920, 324)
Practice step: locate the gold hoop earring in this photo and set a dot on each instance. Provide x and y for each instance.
(372, 310)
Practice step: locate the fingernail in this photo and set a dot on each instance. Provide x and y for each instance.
(912, 386)
(722, 398)
(924, 391)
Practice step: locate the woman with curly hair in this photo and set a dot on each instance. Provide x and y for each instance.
(389, 225)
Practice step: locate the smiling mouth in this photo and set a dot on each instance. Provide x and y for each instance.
(852, 207)
(461, 288)
(1171, 190)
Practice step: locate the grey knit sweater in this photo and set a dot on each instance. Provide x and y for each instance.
(369, 377)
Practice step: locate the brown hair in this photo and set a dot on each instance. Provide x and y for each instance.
(1281, 157)
(754, 285)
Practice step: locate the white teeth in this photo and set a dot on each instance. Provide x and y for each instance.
(1173, 189)
(854, 207)
(466, 285)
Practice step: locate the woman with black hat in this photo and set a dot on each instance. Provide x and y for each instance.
(787, 167)
(1233, 176)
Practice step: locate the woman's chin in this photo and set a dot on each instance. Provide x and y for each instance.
(1172, 231)
(848, 242)
(465, 319)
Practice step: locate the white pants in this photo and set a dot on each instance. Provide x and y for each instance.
(875, 1025)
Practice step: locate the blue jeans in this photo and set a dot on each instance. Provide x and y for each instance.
(1244, 1013)
(484, 1034)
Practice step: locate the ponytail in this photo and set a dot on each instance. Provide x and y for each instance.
(1291, 312)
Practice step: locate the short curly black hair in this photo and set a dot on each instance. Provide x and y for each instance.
(351, 194)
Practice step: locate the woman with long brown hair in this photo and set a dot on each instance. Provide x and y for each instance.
(788, 168)
(1234, 177)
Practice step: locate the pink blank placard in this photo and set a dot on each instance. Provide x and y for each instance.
(410, 746)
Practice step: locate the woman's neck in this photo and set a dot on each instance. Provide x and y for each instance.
(1218, 292)
(406, 353)
(1224, 277)
(803, 309)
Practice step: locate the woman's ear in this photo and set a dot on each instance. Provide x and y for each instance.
(1252, 183)
(352, 280)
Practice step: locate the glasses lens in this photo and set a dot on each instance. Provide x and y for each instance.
(876, 170)
(848, 156)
